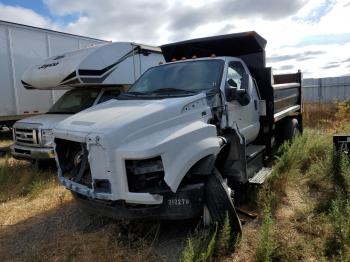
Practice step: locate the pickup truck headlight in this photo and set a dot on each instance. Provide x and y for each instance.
(47, 137)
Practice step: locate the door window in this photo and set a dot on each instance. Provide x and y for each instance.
(235, 72)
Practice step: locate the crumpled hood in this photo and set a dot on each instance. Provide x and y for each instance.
(46, 121)
(125, 114)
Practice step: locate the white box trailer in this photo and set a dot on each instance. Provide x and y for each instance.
(20, 47)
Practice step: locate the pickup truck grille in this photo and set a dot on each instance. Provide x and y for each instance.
(27, 136)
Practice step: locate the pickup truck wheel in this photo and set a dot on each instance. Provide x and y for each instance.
(291, 129)
(219, 202)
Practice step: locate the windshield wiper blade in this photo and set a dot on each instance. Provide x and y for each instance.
(61, 112)
(134, 93)
(170, 90)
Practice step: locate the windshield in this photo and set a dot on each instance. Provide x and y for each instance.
(184, 77)
(74, 101)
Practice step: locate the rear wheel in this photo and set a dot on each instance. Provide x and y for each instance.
(219, 202)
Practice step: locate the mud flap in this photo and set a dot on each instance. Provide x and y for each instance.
(219, 202)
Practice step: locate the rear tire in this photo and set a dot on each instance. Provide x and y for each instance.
(219, 202)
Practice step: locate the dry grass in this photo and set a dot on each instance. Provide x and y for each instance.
(5, 143)
(330, 117)
(19, 178)
(319, 115)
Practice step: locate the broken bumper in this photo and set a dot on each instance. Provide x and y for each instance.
(186, 203)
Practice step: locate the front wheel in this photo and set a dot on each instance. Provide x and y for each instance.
(219, 202)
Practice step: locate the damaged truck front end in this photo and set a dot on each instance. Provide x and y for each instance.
(148, 171)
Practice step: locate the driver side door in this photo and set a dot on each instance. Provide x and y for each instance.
(245, 115)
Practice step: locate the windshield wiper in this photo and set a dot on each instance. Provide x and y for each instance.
(61, 112)
(171, 90)
(134, 93)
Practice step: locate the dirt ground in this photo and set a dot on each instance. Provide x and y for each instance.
(52, 227)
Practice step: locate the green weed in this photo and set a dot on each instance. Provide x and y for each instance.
(266, 243)
(224, 238)
(200, 246)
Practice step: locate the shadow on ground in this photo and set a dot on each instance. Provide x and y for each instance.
(67, 233)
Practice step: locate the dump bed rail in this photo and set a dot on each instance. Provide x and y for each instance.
(286, 95)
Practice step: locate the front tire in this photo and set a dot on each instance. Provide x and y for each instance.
(219, 202)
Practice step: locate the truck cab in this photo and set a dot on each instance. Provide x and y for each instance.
(89, 77)
(185, 134)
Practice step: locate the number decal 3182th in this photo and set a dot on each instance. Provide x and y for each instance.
(178, 202)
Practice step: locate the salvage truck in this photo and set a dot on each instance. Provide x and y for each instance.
(185, 135)
(89, 76)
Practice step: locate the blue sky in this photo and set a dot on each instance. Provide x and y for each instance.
(38, 6)
(312, 35)
(42, 9)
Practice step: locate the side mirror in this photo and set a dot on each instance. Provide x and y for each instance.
(241, 94)
(231, 90)
(232, 83)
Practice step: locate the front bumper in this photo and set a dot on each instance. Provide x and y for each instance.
(32, 153)
(186, 203)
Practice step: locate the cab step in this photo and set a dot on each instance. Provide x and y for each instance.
(261, 176)
(255, 159)
(253, 151)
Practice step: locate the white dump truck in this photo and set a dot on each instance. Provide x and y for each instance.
(21, 47)
(185, 134)
(92, 75)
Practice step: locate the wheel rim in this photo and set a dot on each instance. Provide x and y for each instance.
(206, 219)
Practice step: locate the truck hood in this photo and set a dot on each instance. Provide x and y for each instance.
(45, 121)
(130, 115)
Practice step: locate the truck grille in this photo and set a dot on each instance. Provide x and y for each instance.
(27, 136)
(73, 161)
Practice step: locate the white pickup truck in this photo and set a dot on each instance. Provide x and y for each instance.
(185, 134)
(92, 75)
